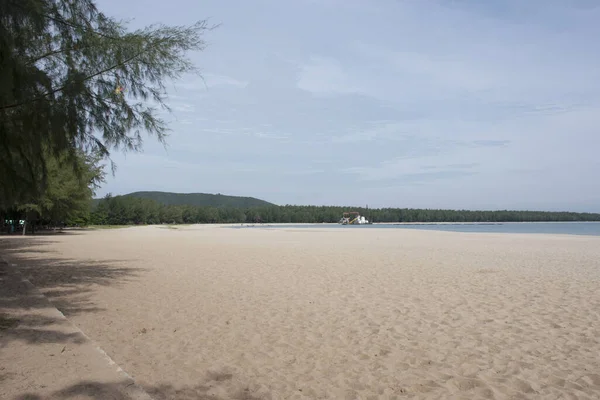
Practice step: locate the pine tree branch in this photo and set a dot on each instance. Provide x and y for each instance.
(90, 28)
(55, 52)
(61, 88)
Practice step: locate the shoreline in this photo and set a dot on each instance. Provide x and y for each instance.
(579, 228)
(411, 223)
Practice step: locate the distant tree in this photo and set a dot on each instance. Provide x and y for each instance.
(120, 209)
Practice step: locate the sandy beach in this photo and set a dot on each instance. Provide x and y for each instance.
(210, 312)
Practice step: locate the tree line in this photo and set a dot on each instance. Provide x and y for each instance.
(75, 85)
(129, 210)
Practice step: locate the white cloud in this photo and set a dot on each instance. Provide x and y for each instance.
(440, 70)
(213, 80)
(450, 162)
(206, 81)
(264, 135)
(378, 130)
(323, 76)
(182, 107)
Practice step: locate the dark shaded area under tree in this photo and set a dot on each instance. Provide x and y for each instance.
(113, 391)
(67, 282)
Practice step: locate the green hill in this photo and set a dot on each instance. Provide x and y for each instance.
(199, 199)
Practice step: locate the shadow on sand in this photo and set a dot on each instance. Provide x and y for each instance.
(115, 391)
(67, 283)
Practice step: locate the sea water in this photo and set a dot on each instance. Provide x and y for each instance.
(561, 228)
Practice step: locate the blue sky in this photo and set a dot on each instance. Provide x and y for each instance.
(390, 103)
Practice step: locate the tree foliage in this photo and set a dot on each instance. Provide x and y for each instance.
(124, 210)
(63, 64)
(68, 194)
(66, 200)
(201, 199)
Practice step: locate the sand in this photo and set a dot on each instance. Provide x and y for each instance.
(44, 356)
(209, 312)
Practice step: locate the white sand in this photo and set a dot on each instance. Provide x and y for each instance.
(307, 313)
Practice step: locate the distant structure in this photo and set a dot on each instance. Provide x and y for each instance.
(353, 218)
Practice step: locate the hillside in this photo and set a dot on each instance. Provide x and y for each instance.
(200, 199)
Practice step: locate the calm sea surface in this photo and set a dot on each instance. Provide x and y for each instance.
(563, 228)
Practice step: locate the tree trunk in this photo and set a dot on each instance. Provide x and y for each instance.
(24, 227)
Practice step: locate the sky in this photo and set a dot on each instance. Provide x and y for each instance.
(462, 104)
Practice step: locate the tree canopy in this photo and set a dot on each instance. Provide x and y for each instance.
(74, 84)
(73, 79)
(68, 193)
